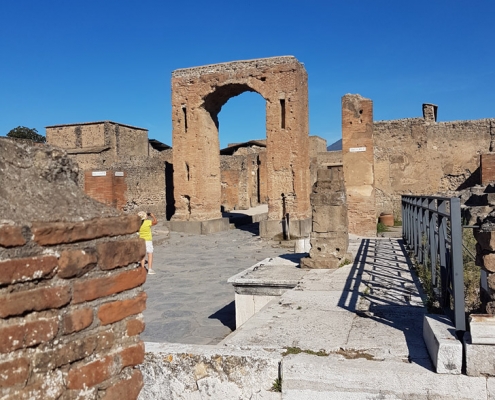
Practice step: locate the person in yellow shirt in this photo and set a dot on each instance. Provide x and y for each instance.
(145, 233)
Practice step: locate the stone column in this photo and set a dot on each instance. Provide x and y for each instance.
(329, 236)
(358, 159)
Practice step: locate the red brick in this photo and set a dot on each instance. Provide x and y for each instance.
(14, 372)
(120, 254)
(127, 389)
(26, 269)
(11, 236)
(77, 320)
(132, 356)
(26, 332)
(118, 310)
(52, 357)
(89, 374)
(76, 262)
(104, 340)
(49, 233)
(134, 327)
(90, 289)
(38, 299)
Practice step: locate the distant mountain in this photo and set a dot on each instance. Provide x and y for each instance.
(337, 146)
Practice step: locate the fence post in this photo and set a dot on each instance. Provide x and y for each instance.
(457, 263)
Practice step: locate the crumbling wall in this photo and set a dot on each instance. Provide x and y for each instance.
(105, 148)
(198, 95)
(70, 285)
(421, 156)
(241, 178)
(317, 145)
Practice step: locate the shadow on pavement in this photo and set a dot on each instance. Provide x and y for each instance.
(226, 315)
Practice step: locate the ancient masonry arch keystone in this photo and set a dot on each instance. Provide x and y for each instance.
(198, 95)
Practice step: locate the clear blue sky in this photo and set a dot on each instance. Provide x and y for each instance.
(69, 61)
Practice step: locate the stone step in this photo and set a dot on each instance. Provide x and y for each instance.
(310, 377)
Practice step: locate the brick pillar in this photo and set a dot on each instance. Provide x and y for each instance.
(329, 235)
(358, 160)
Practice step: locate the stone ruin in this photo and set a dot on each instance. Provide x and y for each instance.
(70, 287)
(198, 95)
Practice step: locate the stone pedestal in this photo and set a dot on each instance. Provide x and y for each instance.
(258, 285)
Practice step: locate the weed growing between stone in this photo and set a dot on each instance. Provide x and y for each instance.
(471, 278)
(345, 261)
(277, 385)
(381, 227)
(297, 350)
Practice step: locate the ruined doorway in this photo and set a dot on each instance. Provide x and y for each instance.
(198, 95)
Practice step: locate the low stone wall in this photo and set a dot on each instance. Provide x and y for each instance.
(176, 371)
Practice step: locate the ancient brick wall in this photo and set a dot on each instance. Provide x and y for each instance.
(240, 179)
(197, 97)
(70, 286)
(418, 156)
(357, 154)
(316, 145)
(108, 147)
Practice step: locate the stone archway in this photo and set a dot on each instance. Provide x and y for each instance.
(198, 95)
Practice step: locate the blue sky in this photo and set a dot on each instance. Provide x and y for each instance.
(69, 61)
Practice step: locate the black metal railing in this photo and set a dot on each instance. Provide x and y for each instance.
(432, 229)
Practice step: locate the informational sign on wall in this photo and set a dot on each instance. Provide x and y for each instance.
(357, 149)
(99, 173)
(119, 173)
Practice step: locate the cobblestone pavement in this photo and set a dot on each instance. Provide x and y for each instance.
(189, 299)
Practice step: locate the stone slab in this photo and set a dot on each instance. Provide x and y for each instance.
(308, 377)
(273, 272)
(482, 328)
(189, 372)
(444, 348)
(309, 320)
(200, 227)
(479, 358)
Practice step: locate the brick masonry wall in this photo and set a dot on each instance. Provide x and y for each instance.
(197, 97)
(487, 165)
(70, 310)
(414, 156)
(71, 292)
(357, 154)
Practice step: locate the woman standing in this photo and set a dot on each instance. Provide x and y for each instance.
(145, 233)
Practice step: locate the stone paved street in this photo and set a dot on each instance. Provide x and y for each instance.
(189, 299)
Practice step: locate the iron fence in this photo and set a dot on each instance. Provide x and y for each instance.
(432, 229)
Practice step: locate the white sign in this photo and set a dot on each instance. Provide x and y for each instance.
(119, 174)
(357, 149)
(99, 173)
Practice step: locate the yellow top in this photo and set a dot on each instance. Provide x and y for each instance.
(145, 230)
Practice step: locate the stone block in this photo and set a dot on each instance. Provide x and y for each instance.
(444, 348)
(482, 328)
(274, 229)
(486, 240)
(479, 358)
(201, 227)
(177, 371)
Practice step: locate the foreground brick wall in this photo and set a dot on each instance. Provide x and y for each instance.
(70, 315)
(70, 286)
